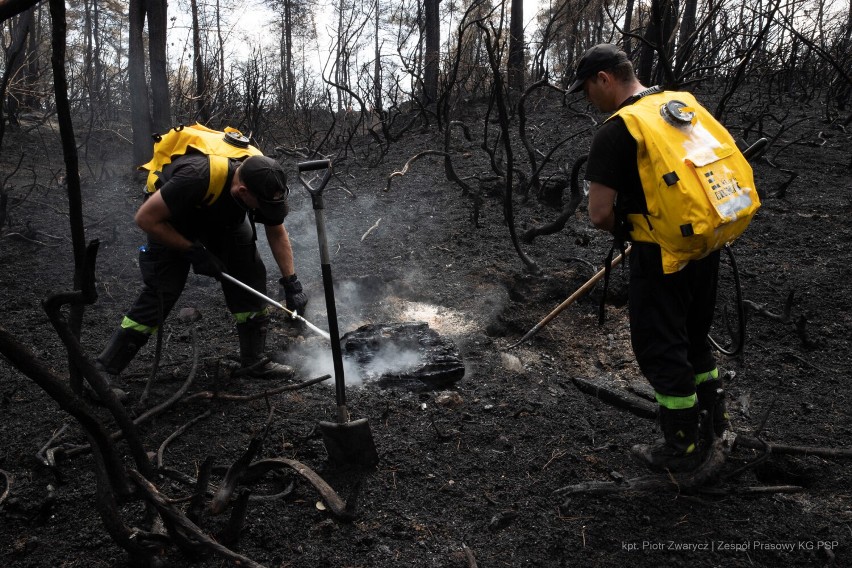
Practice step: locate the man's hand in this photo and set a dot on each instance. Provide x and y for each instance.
(204, 262)
(291, 289)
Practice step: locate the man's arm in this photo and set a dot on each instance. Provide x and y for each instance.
(282, 252)
(153, 218)
(602, 206)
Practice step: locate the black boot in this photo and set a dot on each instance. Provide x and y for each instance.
(711, 397)
(118, 353)
(678, 451)
(253, 359)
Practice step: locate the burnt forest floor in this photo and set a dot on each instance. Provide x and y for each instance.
(472, 476)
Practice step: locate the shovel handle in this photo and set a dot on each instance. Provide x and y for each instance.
(316, 193)
(314, 165)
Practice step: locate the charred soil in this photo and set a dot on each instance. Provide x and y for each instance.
(471, 472)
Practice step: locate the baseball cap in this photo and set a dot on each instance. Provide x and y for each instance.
(598, 58)
(267, 181)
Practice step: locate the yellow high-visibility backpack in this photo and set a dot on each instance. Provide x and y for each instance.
(217, 145)
(698, 186)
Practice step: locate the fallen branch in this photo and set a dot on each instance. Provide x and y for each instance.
(410, 161)
(177, 433)
(45, 455)
(160, 502)
(331, 499)
(468, 555)
(256, 396)
(371, 229)
(232, 478)
(617, 398)
(7, 477)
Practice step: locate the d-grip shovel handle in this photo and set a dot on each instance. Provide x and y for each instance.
(316, 193)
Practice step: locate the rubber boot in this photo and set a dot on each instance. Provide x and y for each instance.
(118, 353)
(678, 451)
(255, 363)
(711, 397)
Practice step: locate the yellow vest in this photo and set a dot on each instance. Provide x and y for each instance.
(698, 186)
(217, 145)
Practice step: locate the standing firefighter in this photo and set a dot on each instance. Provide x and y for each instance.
(206, 191)
(665, 175)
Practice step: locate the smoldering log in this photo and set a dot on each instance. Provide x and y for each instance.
(408, 354)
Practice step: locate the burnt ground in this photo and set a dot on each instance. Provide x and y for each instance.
(477, 478)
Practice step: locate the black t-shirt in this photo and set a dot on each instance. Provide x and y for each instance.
(613, 162)
(185, 183)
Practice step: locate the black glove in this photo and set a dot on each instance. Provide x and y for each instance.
(296, 299)
(204, 262)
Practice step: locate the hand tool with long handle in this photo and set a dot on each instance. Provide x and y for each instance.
(571, 299)
(269, 300)
(347, 442)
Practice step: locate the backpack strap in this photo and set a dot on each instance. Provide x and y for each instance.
(617, 244)
(218, 178)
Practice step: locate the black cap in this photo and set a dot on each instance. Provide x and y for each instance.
(267, 181)
(601, 57)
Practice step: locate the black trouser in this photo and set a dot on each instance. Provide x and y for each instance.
(164, 273)
(670, 317)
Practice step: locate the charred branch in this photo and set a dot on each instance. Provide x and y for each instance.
(522, 131)
(27, 363)
(567, 212)
(234, 476)
(332, 500)
(7, 485)
(256, 396)
(175, 435)
(179, 520)
(799, 324)
(503, 115)
(196, 504)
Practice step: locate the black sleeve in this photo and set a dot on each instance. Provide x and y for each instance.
(186, 183)
(612, 155)
(613, 163)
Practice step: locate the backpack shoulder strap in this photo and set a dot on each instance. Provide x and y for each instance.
(218, 178)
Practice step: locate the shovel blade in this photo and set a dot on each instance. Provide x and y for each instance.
(349, 443)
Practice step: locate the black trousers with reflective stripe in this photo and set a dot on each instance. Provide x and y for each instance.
(164, 273)
(670, 317)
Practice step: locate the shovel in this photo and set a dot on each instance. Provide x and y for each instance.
(347, 442)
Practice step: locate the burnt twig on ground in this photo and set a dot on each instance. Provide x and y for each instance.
(616, 397)
(259, 395)
(468, 555)
(7, 477)
(177, 433)
(410, 161)
(45, 455)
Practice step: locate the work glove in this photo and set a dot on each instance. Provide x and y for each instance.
(204, 262)
(296, 300)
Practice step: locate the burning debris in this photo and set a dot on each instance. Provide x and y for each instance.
(406, 354)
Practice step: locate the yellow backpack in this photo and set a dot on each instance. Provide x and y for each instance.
(217, 145)
(698, 186)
